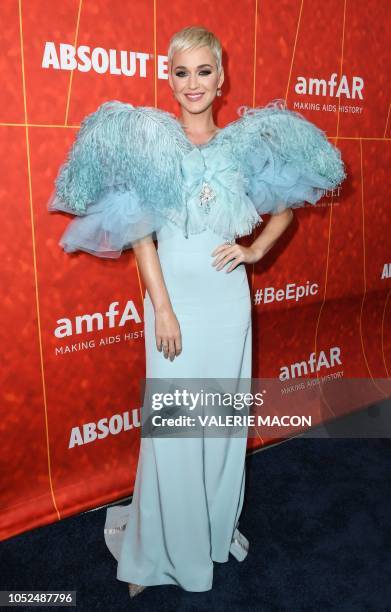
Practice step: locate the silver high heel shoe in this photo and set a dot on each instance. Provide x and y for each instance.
(135, 589)
(239, 546)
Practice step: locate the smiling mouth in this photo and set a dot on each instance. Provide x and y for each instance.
(194, 97)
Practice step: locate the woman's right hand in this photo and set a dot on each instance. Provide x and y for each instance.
(168, 333)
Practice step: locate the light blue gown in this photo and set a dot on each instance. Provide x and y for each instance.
(132, 172)
(189, 491)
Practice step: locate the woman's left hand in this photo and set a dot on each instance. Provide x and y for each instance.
(237, 254)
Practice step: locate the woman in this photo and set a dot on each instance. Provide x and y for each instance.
(198, 188)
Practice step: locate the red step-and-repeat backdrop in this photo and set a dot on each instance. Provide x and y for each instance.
(72, 325)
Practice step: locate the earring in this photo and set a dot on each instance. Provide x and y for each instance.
(219, 92)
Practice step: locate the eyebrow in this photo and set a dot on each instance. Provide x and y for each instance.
(200, 66)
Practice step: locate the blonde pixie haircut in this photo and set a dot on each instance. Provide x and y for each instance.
(192, 37)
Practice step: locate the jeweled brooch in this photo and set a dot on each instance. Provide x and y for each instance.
(207, 195)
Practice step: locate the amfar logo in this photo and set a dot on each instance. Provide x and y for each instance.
(313, 364)
(97, 321)
(85, 59)
(321, 87)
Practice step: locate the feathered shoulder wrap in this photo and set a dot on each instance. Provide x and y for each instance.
(132, 169)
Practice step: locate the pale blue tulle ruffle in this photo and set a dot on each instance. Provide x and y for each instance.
(277, 184)
(111, 225)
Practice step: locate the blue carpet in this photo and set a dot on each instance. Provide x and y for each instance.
(317, 513)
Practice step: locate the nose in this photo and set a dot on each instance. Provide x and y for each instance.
(193, 82)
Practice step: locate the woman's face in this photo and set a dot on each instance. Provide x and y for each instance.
(193, 78)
